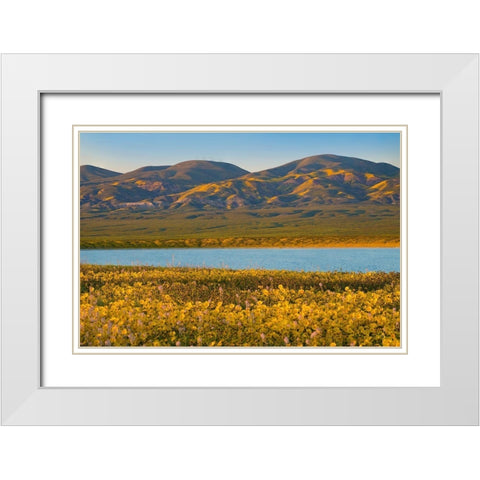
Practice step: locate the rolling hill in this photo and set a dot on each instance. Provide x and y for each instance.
(311, 181)
(151, 186)
(317, 180)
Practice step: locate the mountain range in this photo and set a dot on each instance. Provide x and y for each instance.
(206, 185)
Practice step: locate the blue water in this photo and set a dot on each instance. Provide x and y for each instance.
(306, 259)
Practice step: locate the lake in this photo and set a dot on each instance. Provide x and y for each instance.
(306, 259)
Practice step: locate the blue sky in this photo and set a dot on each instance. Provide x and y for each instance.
(123, 152)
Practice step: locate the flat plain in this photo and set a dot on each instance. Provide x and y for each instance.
(368, 225)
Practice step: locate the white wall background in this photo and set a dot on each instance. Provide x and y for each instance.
(246, 26)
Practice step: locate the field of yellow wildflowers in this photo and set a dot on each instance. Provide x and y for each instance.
(172, 306)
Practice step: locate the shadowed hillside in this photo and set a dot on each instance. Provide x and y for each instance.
(89, 173)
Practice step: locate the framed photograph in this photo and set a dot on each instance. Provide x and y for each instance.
(240, 239)
(257, 258)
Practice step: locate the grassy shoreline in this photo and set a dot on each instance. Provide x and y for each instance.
(299, 242)
(199, 307)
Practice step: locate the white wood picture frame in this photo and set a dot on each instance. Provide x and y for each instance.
(25, 77)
